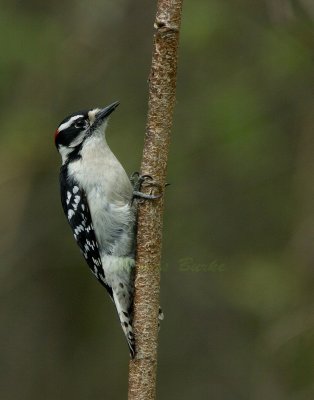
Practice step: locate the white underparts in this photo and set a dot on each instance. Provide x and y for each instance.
(102, 180)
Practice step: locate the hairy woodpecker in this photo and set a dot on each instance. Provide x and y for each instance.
(97, 199)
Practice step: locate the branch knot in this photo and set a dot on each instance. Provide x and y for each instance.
(164, 26)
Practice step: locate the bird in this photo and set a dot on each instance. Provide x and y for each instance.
(97, 197)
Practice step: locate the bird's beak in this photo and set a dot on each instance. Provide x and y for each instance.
(105, 112)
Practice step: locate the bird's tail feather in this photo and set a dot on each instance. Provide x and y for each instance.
(125, 317)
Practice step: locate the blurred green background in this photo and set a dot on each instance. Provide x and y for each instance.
(238, 244)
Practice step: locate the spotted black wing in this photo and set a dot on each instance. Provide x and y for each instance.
(76, 210)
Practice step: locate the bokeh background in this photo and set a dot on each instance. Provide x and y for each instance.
(238, 245)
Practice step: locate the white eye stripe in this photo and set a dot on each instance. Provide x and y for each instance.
(66, 125)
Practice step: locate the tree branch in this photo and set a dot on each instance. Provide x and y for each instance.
(162, 86)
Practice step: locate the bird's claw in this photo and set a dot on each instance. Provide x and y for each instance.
(140, 181)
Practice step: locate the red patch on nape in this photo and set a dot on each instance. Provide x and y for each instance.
(56, 134)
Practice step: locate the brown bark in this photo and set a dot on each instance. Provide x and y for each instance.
(162, 86)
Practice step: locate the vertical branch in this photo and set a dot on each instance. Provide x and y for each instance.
(162, 86)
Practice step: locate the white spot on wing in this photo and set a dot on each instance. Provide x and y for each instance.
(70, 214)
(78, 229)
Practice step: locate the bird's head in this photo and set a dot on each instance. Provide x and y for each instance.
(77, 127)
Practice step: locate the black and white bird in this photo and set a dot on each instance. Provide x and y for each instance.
(97, 198)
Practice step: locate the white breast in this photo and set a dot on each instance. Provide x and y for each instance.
(109, 195)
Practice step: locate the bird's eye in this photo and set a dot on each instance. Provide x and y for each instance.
(79, 124)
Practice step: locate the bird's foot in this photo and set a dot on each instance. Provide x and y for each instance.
(139, 181)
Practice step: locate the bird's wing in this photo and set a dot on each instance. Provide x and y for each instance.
(76, 210)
